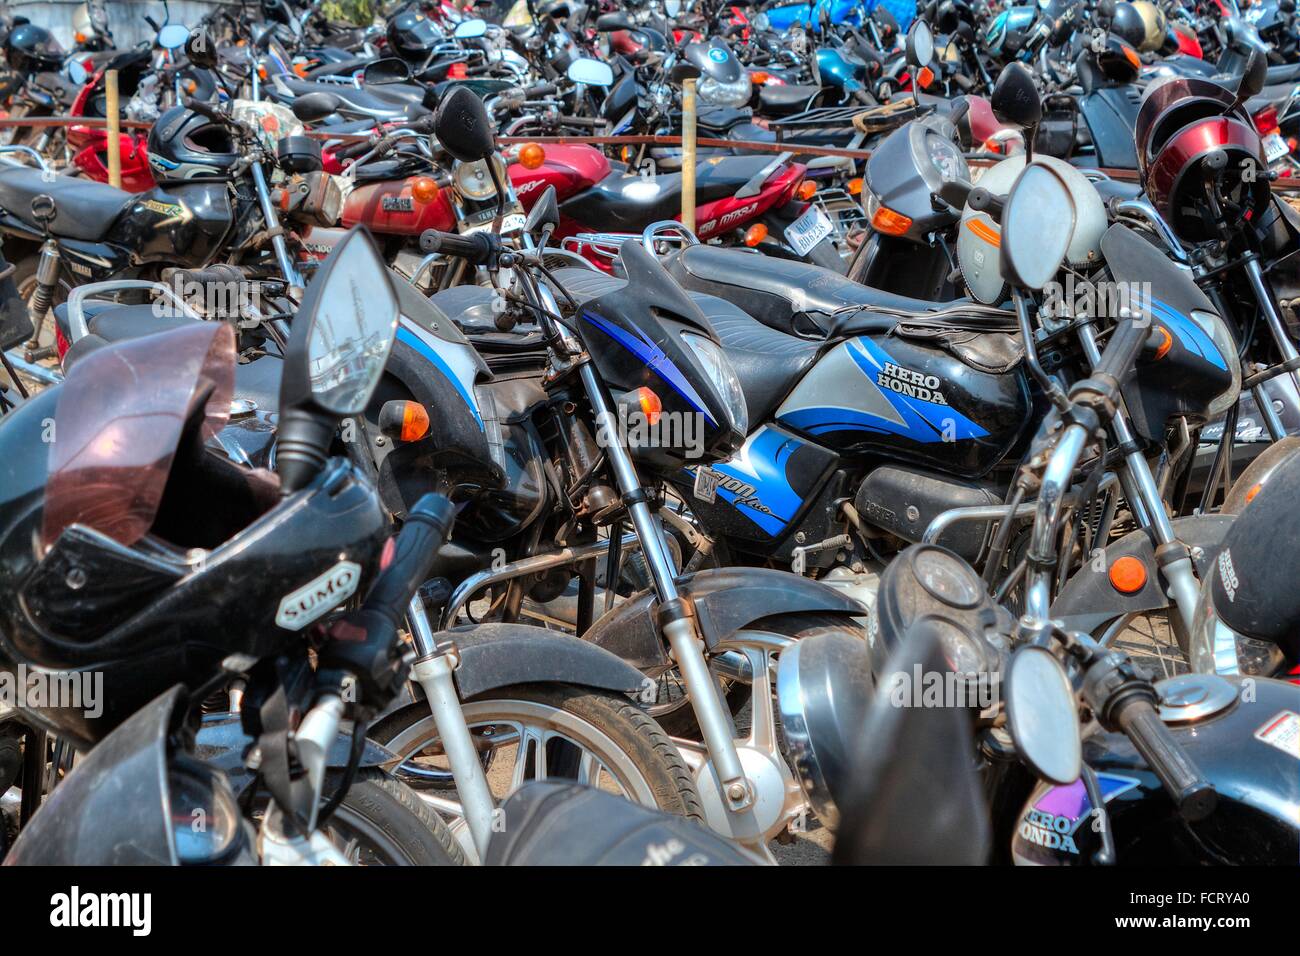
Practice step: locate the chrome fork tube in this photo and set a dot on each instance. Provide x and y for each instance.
(432, 670)
(274, 227)
(1140, 486)
(1285, 347)
(1047, 515)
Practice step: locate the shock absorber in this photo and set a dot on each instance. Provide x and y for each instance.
(38, 306)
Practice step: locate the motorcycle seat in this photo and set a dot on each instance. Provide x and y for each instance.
(86, 209)
(788, 295)
(1282, 73)
(379, 101)
(567, 824)
(767, 363)
(630, 202)
(786, 99)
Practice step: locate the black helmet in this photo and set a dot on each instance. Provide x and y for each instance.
(412, 35)
(185, 145)
(134, 556)
(1128, 25)
(33, 49)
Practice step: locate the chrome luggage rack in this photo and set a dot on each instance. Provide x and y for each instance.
(606, 245)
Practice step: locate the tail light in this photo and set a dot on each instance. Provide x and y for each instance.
(61, 345)
(1266, 120)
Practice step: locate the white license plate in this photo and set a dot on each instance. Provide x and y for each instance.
(511, 222)
(808, 230)
(1275, 147)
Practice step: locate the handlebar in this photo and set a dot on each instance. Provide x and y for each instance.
(477, 247)
(1123, 348)
(416, 550)
(1194, 796)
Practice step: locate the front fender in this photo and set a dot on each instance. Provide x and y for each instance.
(1088, 599)
(726, 600)
(499, 655)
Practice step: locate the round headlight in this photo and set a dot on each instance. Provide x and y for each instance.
(1215, 648)
(736, 93)
(473, 180)
(206, 825)
(723, 376)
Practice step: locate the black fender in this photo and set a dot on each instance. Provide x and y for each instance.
(499, 655)
(222, 743)
(726, 600)
(1088, 599)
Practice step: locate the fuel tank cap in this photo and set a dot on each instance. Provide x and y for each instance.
(1190, 697)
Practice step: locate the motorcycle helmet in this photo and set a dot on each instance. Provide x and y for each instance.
(33, 49)
(979, 238)
(1128, 25)
(412, 35)
(1183, 121)
(135, 556)
(1153, 22)
(186, 145)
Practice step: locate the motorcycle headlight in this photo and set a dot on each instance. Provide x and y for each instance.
(473, 180)
(1217, 330)
(205, 819)
(713, 93)
(723, 376)
(1215, 648)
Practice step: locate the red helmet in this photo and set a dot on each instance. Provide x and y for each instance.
(1181, 122)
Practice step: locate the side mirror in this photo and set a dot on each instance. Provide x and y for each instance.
(544, 216)
(313, 107)
(1042, 716)
(173, 36)
(201, 49)
(390, 69)
(1015, 98)
(609, 22)
(948, 19)
(470, 29)
(1105, 12)
(462, 126)
(1252, 80)
(1037, 225)
(336, 353)
(77, 71)
(920, 44)
(590, 72)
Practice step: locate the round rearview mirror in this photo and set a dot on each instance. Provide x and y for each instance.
(1015, 97)
(920, 44)
(590, 72)
(470, 29)
(173, 36)
(77, 71)
(1037, 225)
(1042, 716)
(350, 315)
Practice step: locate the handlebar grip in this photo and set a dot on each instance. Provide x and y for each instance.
(206, 109)
(416, 552)
(353, 150)
(1194, 796)
(585, 122)
(984, 201)
(538, 90)
(476, 248)
(423, 124)
(1122, 349)
(960, 110)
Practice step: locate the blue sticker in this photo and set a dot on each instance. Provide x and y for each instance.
(717, 55)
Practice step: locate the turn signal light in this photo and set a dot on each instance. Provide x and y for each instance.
(889, 222)
(755, 234)
(1166, 342)
(404, 421)
(1128, 575)
(79, 37)
(645, 401)
(925, 77)
(424, 189)
(532, 155)
(1254, 490)
(855, 186)
(806, 190)
(759, 78)
(457, 71)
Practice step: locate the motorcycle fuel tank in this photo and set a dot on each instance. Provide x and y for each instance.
(185, 225)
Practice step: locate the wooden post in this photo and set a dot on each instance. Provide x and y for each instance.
(688, 154)
(114, 129)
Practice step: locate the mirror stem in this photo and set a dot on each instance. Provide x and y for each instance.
(302, 447)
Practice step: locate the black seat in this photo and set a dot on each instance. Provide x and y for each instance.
(788, 295)
(629, 202)
(567, 824)
(768, 363)
(84, 208)
(786, 99)
(393, 101)
(1282, 73)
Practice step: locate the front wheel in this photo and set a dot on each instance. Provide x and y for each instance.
(382, 822)
(546, 732)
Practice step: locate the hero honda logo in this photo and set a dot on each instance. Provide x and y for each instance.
(917, 385)
(318, 596)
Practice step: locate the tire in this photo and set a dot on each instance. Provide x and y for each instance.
(1151, 639)
(634, 752)
(399, 827)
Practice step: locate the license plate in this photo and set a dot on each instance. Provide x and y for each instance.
(513, 222)
(1275, 147)
(808, 230)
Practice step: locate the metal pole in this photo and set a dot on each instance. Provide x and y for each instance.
(688, 154)
(114, 129)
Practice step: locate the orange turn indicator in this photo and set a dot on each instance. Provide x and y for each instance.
(1128, 575)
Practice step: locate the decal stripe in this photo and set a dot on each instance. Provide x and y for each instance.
(408, 337)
